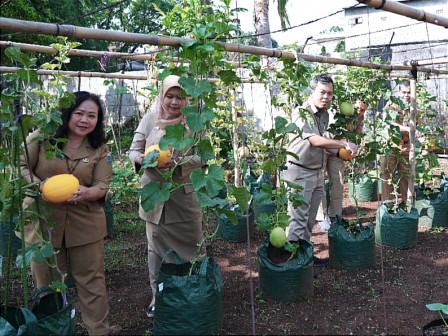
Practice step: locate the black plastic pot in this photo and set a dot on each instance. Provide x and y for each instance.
(435, 328)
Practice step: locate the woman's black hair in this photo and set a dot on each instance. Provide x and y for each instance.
(97, 136)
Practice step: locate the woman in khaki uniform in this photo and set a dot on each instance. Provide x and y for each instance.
(80, 222)
(176, 223)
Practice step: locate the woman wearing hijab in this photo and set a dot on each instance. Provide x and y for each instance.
(177, 223)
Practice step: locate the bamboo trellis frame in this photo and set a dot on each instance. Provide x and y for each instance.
(108, 35)
(101, 34)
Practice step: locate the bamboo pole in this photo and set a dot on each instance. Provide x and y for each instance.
(412, 139)
(108, 35)
(4, 69)
(79, 52)
(428, 62)
(408, 11)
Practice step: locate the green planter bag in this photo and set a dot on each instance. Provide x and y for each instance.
(5, 229)
(188, 304)
(396, 230)
(433, 208)
(43, 319)
(365, 189)
(267, 208)
(238, 232)
(290, 280)
(348, 251)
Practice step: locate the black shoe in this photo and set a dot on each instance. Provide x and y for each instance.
(150, 310)
(332, 220)
(320, 262)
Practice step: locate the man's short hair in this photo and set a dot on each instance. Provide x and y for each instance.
(404, 85)
(322, 78)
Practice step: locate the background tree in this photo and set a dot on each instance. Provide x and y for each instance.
(136, 16)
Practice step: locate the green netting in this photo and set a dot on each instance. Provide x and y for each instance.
(189, 304)
(349, 251)
(290, 280)
(364, 189)
(396, 230)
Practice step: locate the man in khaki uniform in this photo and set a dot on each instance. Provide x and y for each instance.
(310, 147)
(391, 163)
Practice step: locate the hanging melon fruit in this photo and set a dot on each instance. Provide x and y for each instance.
(164, 155)
(346, 154)
(60, 188)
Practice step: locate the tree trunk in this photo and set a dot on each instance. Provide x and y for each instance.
(261, 13)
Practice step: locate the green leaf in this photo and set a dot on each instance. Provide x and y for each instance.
(175, 137)
(193, 89)
(204, 200)
(283, 220)
(46, 251)
(241, 197)
(153, 193)
(195, 120)
(281, 128)
(264, 195)
(30, 75)
(29, 253)
(230, 214)
(205, 150)
(18, 56)
(212, 181)
(229, 77)
(150, 160)
(438, 307)
(268, 166)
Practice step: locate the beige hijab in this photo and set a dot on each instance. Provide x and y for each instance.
(159, 131)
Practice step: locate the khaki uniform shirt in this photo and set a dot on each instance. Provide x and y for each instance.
(182, 205)
(76, 224)
(310, 157)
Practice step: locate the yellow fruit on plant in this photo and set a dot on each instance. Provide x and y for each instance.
(278, 237)
(430, 144)
(60, 188)
(164, 155)
(243, 152)
(347, 109)
(346, 154)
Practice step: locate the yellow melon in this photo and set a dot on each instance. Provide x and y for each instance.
(164, 155)
(346, 154)
(60, 188)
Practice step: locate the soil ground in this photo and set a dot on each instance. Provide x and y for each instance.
(386, 299)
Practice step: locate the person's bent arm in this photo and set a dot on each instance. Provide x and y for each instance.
(331, 144)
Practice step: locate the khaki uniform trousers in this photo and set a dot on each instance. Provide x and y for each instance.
(388, 167)
(304, 216)
(335, 168)
(87, 266)
(182, 237)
